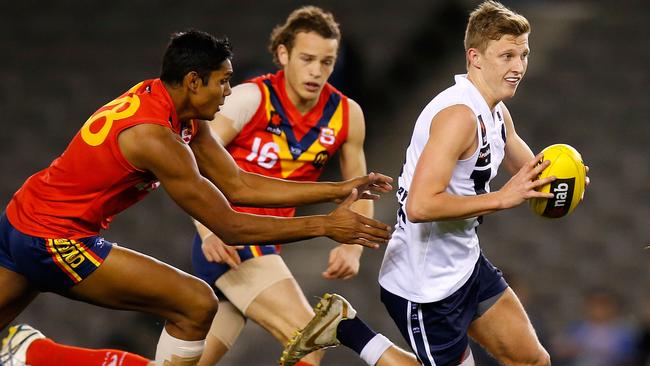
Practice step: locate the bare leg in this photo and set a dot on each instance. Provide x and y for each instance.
(129, 280)
(225, 329)
(281, 309)
(395, 356)
(15, 295)
(505, 331)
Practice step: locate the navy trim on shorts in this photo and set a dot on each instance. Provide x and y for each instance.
(437, 331)
(210, 271)
(51, 264)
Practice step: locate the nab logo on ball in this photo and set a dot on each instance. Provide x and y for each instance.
(559, 205)
(569, 185)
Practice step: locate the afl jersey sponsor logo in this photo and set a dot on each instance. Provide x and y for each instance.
(274, 124)
(327, 136)
(321, 159)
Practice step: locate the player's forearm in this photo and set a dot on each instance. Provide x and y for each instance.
(202, 201)
(258, 190)
(258, 229)
(445, 206)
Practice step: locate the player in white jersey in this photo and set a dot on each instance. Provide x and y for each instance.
(435, 283)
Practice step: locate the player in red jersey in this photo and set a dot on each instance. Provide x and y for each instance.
(285, 125)
(153, 134)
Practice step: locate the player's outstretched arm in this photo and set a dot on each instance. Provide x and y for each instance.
(156, 149)
(243, 188)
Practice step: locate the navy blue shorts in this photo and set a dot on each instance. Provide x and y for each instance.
(437, 331)
(51, 264)
(210, 271)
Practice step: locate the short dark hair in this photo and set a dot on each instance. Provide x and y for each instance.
(305, 19)
(193, 50)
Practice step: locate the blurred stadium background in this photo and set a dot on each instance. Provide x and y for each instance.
(587, 85)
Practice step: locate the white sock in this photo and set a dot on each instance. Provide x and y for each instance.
(469, 361)
(373, 350)
(169, 346)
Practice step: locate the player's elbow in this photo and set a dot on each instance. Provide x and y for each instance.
(238, 190)
(416, 213)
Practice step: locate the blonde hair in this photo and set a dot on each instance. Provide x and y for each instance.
(304, 19)
(491, 21)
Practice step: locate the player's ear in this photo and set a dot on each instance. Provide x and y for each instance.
(192, 81)
(474, 58)
(283, 54)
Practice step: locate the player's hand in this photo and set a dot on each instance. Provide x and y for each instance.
(587, 181)
(347, 226)
(343, 262)
(369, 186)
(215, 250)
(522, 186)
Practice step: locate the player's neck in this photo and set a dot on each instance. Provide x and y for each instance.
(302, 105)
(483, 89)
(181, 103)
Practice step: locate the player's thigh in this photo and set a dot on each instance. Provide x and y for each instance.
(15, 294)
(130, 280)
(506, 332)
(264, 290)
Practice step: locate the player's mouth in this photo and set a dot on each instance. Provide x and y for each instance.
(311, 86)
(513, 80)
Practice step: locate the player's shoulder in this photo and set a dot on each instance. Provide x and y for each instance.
(246, 93)
(455, 114)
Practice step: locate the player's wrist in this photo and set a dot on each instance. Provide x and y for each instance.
(342, 190)
(352, 248)
(206, 236)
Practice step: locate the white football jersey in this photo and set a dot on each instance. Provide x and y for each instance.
(426, 262)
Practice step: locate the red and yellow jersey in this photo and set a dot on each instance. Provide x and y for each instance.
(280, 142)
(80, 192)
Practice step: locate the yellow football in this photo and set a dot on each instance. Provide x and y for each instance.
(569, 185)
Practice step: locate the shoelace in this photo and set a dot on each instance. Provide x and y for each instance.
(8, 359)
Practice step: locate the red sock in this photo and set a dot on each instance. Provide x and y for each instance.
(44, 352)
(302, 363)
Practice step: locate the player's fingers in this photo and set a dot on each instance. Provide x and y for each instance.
(208, 256)
(372, 223)
(364, 242)
(335, 268)
(352, 197)
(229, 256)
(542, 182)
(379, 178)
(208, 252)
(367, 195)
(537, 169)
(536, 194)
(374, 235)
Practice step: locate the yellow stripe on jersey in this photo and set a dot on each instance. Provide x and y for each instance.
(286, 159)
(268, 107)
